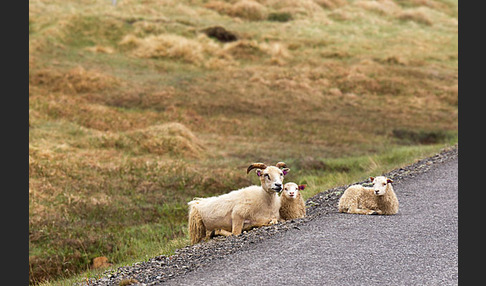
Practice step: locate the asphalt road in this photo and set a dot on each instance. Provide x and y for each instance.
(417, 246)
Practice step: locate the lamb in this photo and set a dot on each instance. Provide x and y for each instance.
(380, 199)
(242, 209)
(292, 204)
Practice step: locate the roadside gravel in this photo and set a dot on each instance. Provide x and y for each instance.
(163, 268)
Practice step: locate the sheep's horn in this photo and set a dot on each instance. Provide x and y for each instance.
(281, 165)
(254, 166)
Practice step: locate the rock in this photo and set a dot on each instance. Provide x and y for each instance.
(219, 33)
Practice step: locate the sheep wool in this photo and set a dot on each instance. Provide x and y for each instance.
(238, 210)
(292, 204)
(380, 199)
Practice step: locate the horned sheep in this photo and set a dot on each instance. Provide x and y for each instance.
(242, 209)
(379, 199)
(292, 204)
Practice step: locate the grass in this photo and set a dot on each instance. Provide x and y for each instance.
(133, 111)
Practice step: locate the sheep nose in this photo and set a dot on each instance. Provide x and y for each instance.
(291, 193)
(278, 185)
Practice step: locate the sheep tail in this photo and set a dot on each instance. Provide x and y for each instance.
(197, 229)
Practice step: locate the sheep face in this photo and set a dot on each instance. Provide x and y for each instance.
(291, 190)
(272, 178)
(380, 184)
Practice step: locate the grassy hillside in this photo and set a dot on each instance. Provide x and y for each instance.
(133, 110)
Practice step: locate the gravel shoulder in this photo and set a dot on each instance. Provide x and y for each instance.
(419, 245)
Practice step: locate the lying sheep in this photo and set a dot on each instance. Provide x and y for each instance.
(292, 204)
(380, 199)
(239, 210)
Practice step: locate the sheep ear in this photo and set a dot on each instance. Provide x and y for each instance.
(259, 172)
(301, 187)
(389, 181)
(285, 171)
(372, 179)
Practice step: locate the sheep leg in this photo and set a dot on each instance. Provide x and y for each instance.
(273, 221)
(355, 210)
(237, 224)
(223, 232)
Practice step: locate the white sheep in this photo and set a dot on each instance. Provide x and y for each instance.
(292, 204)
(239, 210)
(380, 199)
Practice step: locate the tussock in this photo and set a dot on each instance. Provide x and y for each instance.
(415, 15)
(245, 49)
(249, 10)
(219, 6)
(165, 46)
(76, 80)
(173, 138)
(383, 7)
(130, 41)
(331, 4)
(199, 51)
(297, 8)
(202, 50)
(275, 9)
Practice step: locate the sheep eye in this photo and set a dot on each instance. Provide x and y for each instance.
(267, 176)
(384, 184)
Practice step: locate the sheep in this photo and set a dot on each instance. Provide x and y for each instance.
(292, 204)
(380, 199)
(239, 210)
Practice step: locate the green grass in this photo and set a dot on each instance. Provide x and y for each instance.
(122, 136)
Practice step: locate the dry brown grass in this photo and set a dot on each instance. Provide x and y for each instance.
(249, 10)
(219, 6)
(55, 106)
(173, 139)
(203, 50)
(166, 46)
(259, 10)
(297, 8)
(101, 49)
(331, 4)
(414, 15)
(245, 49)
(384, 7)
(76, 80)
